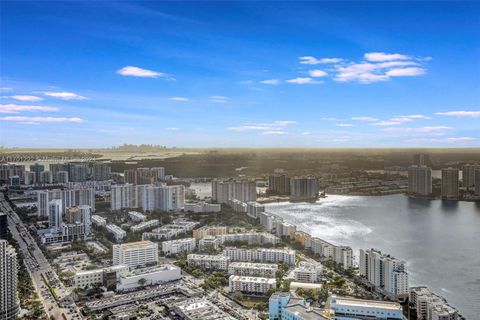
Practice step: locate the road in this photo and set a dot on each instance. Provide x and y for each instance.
(37, 265)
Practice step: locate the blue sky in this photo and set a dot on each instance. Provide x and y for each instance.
(240, 74)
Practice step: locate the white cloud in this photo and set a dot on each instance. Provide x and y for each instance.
(271, 81)
(405, 72)
(139, 72)
(386, 123)
(306, 133)
(25, 98)
(30, 123)
(171, 129)
(282, 123)
(313, 60)
(391, 64)
(273, 132)
(344, 125)
(219, 99)
(15, 108)
(418, 130)
(332, 119)
(5, 89)
(360, 72)
(248, 128)
(382, 56)
(179, 99)
(472, 114)
(300, 80)
(317, 73)
(400, 119)
(64, 95)
(272, 126)
(364, 119)
(459, 139)
(42, 119)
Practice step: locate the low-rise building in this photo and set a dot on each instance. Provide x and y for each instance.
(148, 276)
(200, 309)
(208, 243)
(145, 225)
(258, 238)
(208, 262)
(136, 216)
(254, 209)
(91, 278)
(351, 308)
(251, 284)
(176, 246)
(99, 221)
(308, 272)
(202, 207)
(286, 305)
(286, 256)
(118, 233)
(266, 270)
(209, 231)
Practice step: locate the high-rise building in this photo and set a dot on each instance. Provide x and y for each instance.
(477, 181)
(419, 180)
(37, 169)
(3, 225)
(56, 167)
(9, 302)
(135, 254)
(384, 272)
(55, 214)
(304, 188)
(10, 170)
(468, 176)
(29, 178)
(279, 183)
(450, 183)
(421, 159)
(158, 173)
(81, 215)
(46, 177)
(61, 177)
(123, 196)
(78, 172)
(242, 190)
(100, 171)
(69, 197)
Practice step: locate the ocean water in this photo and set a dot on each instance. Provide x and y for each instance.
(440, 240)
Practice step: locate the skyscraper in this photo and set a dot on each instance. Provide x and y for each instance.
(3, 225)
(477, 181)
(468, 176)
(384, 272)
(55, 214)
(450, 183)
(421, 159)
(279, 184)
(9, 302)
(100, 171)
(419, 180)
(243, 190)
(304, 188)
(37, 169)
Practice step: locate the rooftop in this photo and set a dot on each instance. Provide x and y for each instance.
(367, 303)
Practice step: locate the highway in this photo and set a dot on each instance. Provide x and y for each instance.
(37, 265)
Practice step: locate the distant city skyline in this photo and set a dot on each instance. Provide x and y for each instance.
(240, 74)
